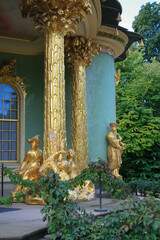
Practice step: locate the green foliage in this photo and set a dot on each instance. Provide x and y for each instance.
(138, 115)
(140, 221)
(64, 218)
(145, 188)
(136, 219)
(147, 23)
(116, 188)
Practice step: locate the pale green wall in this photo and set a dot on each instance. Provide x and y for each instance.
(100, 103)
(32, 69)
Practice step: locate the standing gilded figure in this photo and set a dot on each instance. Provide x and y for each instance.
(115, 149)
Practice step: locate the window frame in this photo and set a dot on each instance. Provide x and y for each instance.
(17, 84)
(12, 120)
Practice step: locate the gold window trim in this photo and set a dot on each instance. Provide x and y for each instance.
(12, 120)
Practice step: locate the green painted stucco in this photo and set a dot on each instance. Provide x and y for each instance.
(31, 68)
(100, 84)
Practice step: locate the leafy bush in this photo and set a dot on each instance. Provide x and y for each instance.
(64, 217)
(116, 188)
(140, 221)
(136, 219)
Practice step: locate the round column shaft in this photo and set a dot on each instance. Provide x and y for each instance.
(79, 117)
(79, 51)
(54, 95)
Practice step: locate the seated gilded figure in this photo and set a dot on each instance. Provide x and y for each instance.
(63, 164)
(29, 169)
(115, 149)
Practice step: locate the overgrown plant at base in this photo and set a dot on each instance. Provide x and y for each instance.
(116, 188)
(136, 219)
(64, 217)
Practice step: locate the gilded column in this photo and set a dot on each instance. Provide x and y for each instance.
(55, 18)
(78, 54)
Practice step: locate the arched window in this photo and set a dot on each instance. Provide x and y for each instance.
(12, 116)
(9, 123)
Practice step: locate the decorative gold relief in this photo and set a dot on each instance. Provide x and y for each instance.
(79, 51)
(78, 54)
(6, 70)
(7, 76)
(117, 76)
(58, 15)
(115, 150)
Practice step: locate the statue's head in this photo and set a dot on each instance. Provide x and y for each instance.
(113, 126)
(35, 142)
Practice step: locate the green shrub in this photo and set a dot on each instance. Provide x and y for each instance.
(140, 221)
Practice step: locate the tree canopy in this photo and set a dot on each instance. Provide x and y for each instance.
(138, 115)
(147, 23)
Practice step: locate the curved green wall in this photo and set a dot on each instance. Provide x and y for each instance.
(100, 104)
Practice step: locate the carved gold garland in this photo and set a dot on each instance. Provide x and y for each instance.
(59, 15)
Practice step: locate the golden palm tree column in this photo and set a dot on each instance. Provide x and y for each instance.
(78, 54)
(55, 19)
(54, 95)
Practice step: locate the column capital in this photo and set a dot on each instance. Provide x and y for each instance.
(79, 50)
(61, 16)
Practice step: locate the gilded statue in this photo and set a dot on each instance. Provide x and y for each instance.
(63, 164)
(115, 149)
(29, 169)
(117, 76)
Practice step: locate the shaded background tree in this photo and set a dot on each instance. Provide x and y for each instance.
(147, 23)
(138, 115)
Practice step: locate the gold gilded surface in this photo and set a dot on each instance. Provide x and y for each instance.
(62, 163)
(7, 76)
(62, 16)
(29, 169)
(115, 149)
(54, 95)
(79, 52)
(79, 117)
